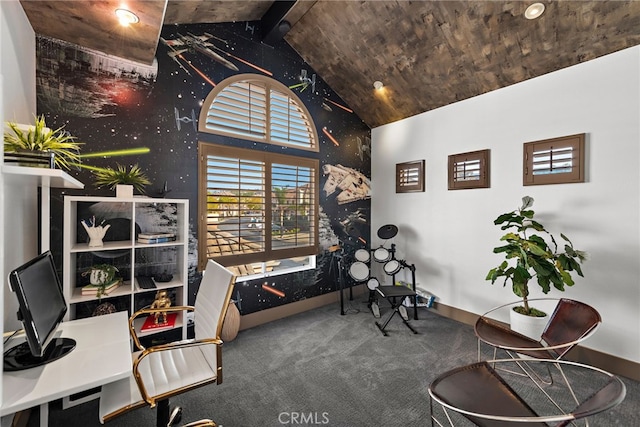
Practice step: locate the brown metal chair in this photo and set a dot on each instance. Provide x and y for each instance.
(481, 395)
(571, 323)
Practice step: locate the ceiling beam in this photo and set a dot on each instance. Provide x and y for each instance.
(273, 23)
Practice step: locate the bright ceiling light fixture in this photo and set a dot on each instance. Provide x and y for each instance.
(534, 11)
(126, 17)
(378, 85)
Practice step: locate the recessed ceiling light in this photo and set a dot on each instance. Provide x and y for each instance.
(378, 85)
(534, 11)
(126, 17)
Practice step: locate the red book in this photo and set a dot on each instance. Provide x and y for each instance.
(150, 322)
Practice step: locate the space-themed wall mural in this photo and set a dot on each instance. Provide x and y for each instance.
(127, 113)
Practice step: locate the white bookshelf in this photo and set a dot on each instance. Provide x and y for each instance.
(128, 217)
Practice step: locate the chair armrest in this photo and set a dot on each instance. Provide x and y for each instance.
(149, 311)
(202, 423)
(178, 345)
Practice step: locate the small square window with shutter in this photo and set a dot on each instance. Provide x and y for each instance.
(410, 176)
(554, 161)
(469, 170)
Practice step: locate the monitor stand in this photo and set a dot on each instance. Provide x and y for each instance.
(19, 357)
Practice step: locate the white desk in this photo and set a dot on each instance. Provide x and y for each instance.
(102, 355)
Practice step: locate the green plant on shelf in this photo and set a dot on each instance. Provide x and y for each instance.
(102, 275)
(110, 177)
(38, 138)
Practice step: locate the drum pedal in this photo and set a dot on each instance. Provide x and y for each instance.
(375, 309)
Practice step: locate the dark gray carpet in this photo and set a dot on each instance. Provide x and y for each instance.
(322, 368)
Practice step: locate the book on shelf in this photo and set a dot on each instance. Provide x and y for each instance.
(150, 323)
(157, 240)
(155, 235)
(93, 290)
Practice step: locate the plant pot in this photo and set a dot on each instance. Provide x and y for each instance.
(124, 191)
(101, 276)
(529, 326)
(31, 159)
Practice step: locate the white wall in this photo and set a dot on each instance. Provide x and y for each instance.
(18, 241)
(450, 235)
(18, 203)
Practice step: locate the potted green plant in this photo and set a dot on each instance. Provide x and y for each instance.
(532, 255)
(101, 276)
(121, 176)
(40, 139)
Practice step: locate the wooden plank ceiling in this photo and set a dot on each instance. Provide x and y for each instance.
(427, 53)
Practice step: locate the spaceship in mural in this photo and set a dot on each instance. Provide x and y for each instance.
(352, 184)
(305, 81)
(185, 119)
(353, 225)
(199, 44)
(254, 66)
(364, 147)
(76, 81)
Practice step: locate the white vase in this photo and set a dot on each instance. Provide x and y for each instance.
(124, 191)
(98, 277)
(529, 326)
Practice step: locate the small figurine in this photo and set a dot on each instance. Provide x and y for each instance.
(162, 301)
(96, 232)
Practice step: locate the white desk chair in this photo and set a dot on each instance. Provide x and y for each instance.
(166, 370)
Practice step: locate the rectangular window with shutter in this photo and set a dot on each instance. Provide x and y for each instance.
(469, 170)
(257, 209)
(410, 176)
(554, 161)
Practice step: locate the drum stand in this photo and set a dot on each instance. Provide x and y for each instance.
(411, 268)
(373, 300)
(339, 255)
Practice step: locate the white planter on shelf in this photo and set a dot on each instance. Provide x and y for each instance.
(124, 191)
(529, 326)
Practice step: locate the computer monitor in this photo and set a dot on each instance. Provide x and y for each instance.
(41, 309)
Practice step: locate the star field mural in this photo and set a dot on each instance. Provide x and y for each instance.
(128, 113)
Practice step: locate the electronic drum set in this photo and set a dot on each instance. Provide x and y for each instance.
(360, 270)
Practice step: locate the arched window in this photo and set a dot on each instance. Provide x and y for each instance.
(258, 210)
(260, 109)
